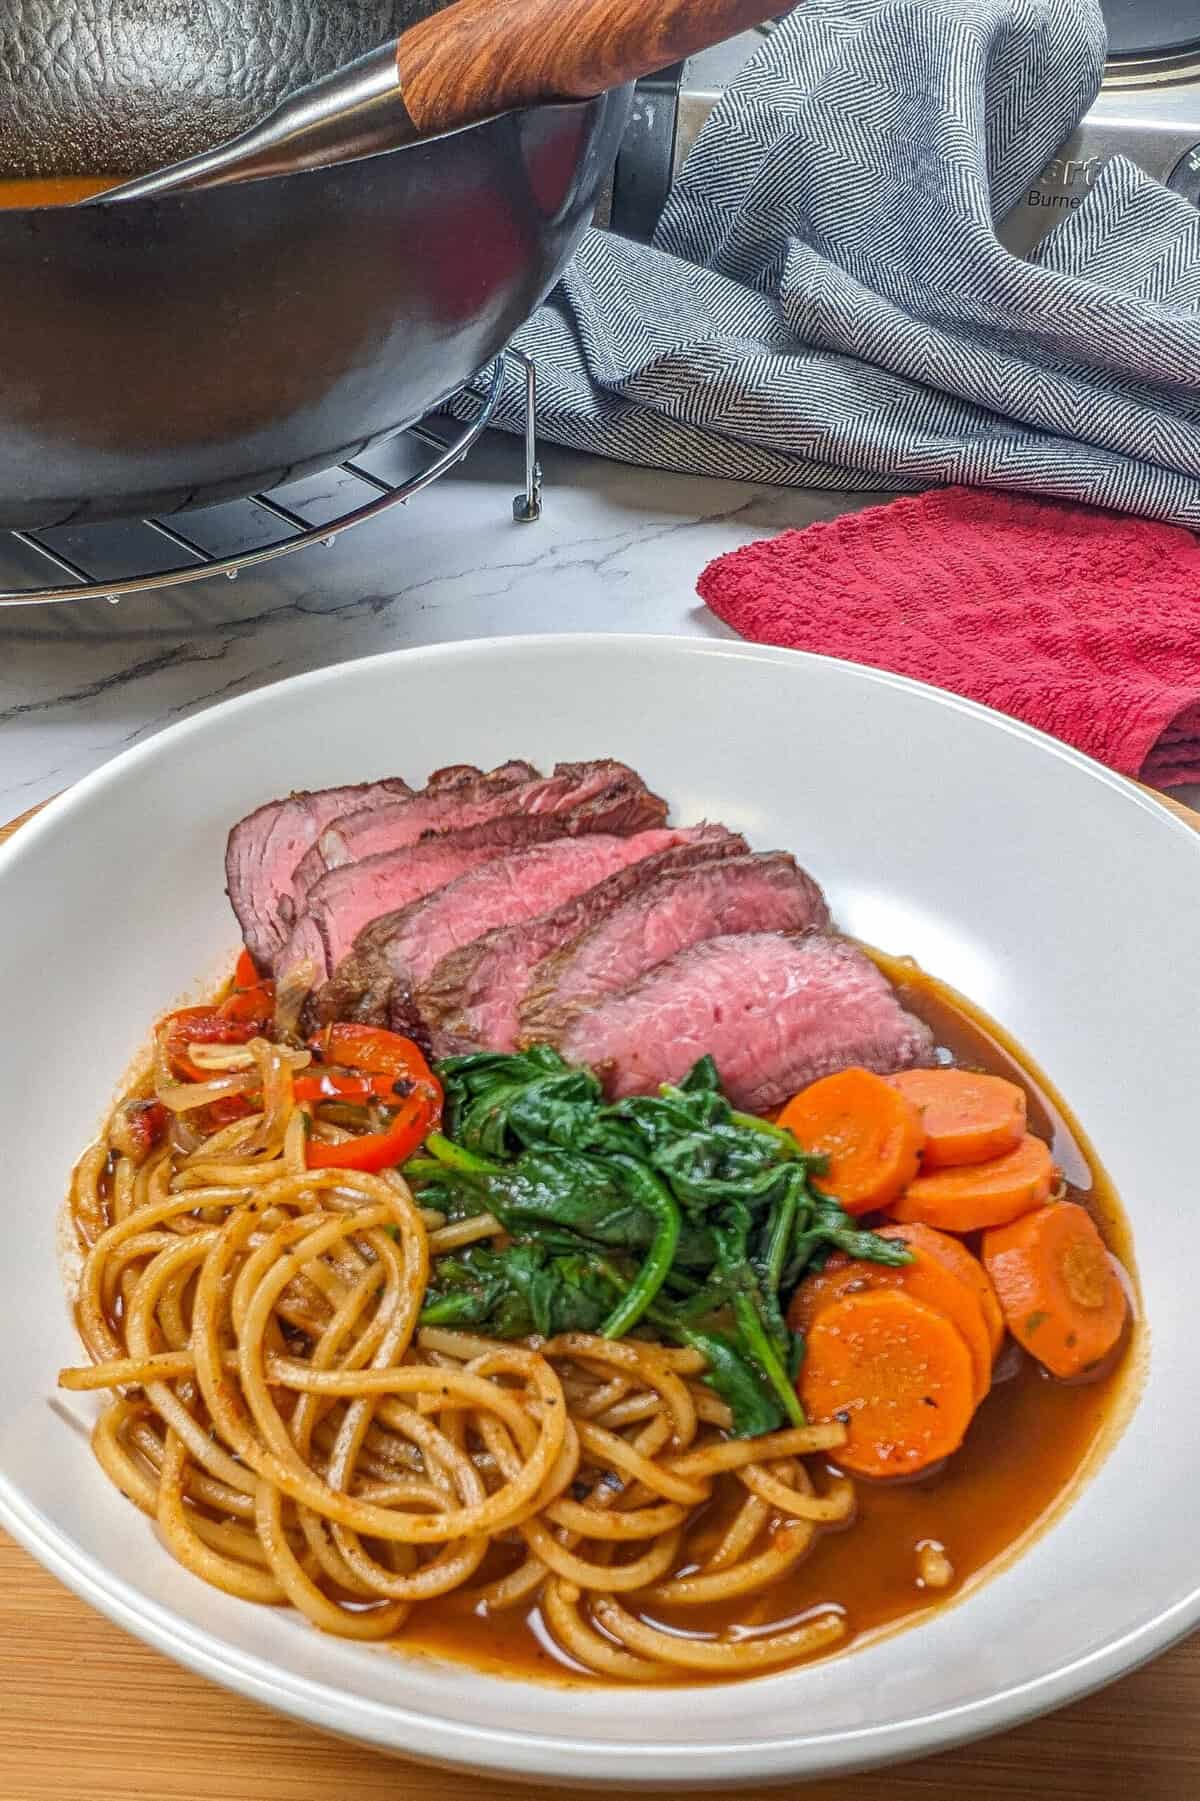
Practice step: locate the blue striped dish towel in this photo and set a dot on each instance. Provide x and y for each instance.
(825, 303)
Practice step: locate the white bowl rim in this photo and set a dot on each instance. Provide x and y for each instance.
(525, 1754)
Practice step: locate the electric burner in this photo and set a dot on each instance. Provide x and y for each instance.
(1151, 28)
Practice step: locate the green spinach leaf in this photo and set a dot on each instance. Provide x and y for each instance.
(672, 1209)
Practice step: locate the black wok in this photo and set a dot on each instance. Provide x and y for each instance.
(175, 351)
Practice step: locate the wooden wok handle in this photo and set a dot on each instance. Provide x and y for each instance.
(480, 57)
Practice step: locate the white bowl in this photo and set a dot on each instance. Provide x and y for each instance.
(1048, 890)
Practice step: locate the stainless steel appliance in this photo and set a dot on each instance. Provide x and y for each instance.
(1148, 110)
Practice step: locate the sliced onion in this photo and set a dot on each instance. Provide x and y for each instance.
(274, 1076)
(290, 996)
(164, 1075)
(183, 1137)
(241, 1056)
(185, 1097)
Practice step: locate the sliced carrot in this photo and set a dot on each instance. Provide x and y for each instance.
(955, 1256)
(897, 1373)
(968, 1118)
(1060, 1293)
(870, 1134)
(925, 1279)
(981, 1194)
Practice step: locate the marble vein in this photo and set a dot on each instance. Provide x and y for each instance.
(617, 549)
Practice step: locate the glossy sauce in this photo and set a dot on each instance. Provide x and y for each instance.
(57, 190)
(1030, 1440)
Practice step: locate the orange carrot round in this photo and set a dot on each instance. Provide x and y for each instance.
(870, 1134)
(926, 1279)
(1060, 1293)
(897, 1373)
(968, 1118)
(981, 1194)
(956, 1257)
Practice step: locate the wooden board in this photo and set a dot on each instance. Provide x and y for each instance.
(86, 1710)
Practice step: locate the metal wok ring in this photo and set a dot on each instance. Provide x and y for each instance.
(526, 507)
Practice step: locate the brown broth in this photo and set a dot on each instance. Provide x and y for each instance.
(57, 190)
(1030, 1442)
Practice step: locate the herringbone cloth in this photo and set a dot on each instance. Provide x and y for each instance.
(826, 304)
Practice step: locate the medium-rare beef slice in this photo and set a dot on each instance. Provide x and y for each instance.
(774, 1010)
(763, 893)
(471, 999)
(264, 848)
(456, 775)
(452, 798)
(345, 901)
(515, 788)
(399, 951)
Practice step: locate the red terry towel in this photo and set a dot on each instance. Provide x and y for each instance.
(1082, 623)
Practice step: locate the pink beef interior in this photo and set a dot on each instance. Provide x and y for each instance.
(472, 997)
(511, 888)
(775, 1011)
(392, 824)
(764, 893)
(513, 788)
(264, 848)
(346, 900)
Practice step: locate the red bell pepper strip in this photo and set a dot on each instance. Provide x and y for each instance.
(321, 1084)
(395, 1068)
(226, 1109)
(414, 1119)
(138, 1126)
(253, 1006)
(202, 1025)
(377, 1052)
(245, 975)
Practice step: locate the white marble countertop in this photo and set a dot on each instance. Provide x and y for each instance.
(616, 549)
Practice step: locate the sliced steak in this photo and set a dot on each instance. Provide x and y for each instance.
(765, 893)
(264, 848)
(346, 900)
(457, 775)
(471, 999)
(395, 954)
(452, 798)
(774, 1010)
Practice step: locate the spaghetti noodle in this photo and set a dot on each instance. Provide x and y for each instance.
(512, 1485)
(298, 1439)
